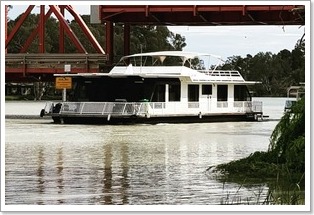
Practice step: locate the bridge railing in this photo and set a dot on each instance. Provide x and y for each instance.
(27, 64)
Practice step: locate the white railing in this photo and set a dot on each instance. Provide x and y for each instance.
(193, 105)
(222, 104)
(104, 108)
(48, 107)
(257, 106)
(153, 108)
(248, 106)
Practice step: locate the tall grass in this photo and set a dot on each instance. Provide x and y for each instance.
(277, 193)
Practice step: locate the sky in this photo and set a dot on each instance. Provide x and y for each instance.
(225, 41)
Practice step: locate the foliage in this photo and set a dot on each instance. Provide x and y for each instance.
(276, 72)
(288, 138)
(282, 167)
(285, 156)
(143, 38)
(256, 165)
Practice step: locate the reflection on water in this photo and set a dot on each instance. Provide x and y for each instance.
(60, 173)
(139, 164)
(107, 180)
(40, 174)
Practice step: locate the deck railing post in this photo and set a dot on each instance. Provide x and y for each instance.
(123, 108)
(104, 108)
(81, 111)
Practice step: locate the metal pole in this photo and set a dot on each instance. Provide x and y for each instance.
(64, 95)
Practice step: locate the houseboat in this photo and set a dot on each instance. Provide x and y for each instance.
(294, 94)
(157, 87)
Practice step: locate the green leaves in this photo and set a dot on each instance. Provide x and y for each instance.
(286, 154)
(144, 38)
(277, 72)
(288, 137)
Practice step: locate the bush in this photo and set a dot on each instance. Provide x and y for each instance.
(286, 153)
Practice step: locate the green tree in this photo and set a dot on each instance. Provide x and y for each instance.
(178, 42)
(288, 138)
(298, 62)
(276, 72)
(285, 155)
(20, 37)
(282, 70)
(144, 38)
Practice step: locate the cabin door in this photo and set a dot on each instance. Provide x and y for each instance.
(207, 90)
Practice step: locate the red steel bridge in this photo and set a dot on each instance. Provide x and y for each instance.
(29, 67)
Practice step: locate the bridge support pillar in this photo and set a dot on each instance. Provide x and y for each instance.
(41, 32)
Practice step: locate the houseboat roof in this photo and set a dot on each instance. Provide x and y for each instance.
(183, 54)
(218, 77)
(162, 71)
